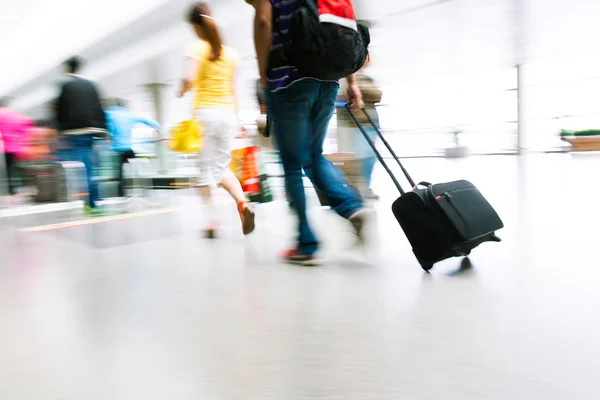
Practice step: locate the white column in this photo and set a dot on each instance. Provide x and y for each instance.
(521, 116)
(520, 30)
(156, 95)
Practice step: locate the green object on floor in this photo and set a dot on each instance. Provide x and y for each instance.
(93, 211)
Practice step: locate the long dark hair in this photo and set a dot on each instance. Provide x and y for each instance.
(200, 15)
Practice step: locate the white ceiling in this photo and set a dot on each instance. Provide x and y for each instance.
(57, 29)
(414, 41)
(14, 13)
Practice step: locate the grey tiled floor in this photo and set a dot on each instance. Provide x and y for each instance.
(145, 309)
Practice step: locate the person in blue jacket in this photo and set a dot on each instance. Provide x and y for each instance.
(120, 122)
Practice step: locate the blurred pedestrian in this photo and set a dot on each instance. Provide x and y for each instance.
(15, 129)
(210, 69)
(51, 124)
(371, 95)
(80, 118)
(120, 122)
(300, 109)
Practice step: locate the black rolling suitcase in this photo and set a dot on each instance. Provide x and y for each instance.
(442, 220)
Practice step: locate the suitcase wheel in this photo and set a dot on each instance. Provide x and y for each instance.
(427, 266)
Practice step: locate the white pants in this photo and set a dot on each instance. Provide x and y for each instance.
(219, 128)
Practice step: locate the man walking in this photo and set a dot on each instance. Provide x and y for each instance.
(300, 109)
(80, 117)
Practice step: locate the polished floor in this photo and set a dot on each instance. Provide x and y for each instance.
(138, 306)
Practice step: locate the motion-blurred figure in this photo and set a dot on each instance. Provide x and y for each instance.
(301, 109)
(210, 69)
(39, 170)
(80, 118)
(51, 125)
(14, 131)
(120, 122)
(371, 95)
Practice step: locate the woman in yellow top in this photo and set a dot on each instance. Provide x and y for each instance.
(210, 70)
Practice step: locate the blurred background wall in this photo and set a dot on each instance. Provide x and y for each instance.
(443, 66)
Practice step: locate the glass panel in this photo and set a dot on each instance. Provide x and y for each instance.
(561, 95)
(423, 116)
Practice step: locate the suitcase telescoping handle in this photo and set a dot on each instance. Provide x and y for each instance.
(377, 153)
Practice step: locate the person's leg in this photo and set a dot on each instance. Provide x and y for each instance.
(232, 185)
(79, 154)
(122, 160)
(369, 158)
(221, 168)
(87, 158)
(124, 157)
(290, 110)
(205, 160)
(210, 221)
(66, 149)
(10, 168)
(324, 175)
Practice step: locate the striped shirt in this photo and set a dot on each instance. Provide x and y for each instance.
(282, 77)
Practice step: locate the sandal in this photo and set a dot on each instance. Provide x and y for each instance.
(247, 217)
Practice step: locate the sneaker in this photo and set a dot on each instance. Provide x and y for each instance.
(247, 217)
(370, 195)
(209, 233)
(293, 256)
(358, 221)
(93, 212)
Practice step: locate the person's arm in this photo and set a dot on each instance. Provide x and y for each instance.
(354, 96)
(152, 124)
(187, 82)
(192, 65)
(147, 121)
(110, 126)
(263, 36)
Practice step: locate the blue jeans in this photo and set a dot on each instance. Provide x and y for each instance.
(85, 154)
(300, 116)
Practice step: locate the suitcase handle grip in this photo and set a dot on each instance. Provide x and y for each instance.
(378, 154)
(423, 183)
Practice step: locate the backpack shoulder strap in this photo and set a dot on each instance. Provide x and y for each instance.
(311, 5)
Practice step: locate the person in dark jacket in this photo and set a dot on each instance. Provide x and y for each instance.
(80, 117)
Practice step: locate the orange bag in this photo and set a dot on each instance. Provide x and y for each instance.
(244, 165)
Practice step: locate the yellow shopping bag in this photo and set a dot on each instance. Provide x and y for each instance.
(186, 137)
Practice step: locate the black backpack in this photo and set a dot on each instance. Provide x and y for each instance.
(326, 42)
